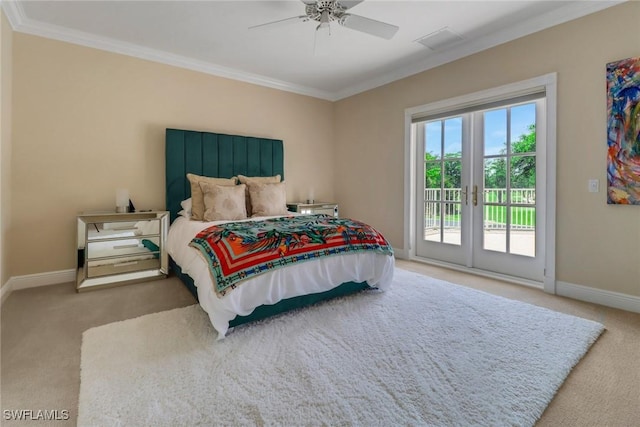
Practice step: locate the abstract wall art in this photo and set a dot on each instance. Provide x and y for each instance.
(623, 132)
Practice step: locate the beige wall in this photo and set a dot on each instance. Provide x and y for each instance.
(6, 42)
(87, 122)
(597, 244)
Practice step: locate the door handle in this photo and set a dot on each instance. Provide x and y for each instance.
(475, 195)
(465, 193)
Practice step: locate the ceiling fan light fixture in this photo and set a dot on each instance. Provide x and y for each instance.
(324, 17)
(324, 27)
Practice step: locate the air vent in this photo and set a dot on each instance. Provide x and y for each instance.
(441, 39)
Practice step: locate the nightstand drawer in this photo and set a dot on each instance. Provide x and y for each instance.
(121, 266)
(118, 248)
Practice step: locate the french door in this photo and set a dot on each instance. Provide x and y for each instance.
(479, 188)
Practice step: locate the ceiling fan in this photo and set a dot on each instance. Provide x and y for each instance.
(326, 11)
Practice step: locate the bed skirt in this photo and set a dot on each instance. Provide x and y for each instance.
(282, 306)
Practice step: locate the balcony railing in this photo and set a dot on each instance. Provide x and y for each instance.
(522, 214)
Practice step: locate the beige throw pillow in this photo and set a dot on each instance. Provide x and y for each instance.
(223, 202)
(268, 199)
(197, 199)
(256, 180)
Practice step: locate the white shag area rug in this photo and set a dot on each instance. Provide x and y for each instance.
(426, 352)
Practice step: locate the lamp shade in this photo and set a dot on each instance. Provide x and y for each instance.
(122, 200)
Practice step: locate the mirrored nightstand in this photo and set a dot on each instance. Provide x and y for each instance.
(120, 248)
(314, 208)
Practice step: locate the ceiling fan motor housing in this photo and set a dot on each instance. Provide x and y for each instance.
(325, 11)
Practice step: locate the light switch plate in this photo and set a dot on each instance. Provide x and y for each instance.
(594, 186)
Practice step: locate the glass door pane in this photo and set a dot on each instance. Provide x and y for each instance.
(443, 181)
(509, 190)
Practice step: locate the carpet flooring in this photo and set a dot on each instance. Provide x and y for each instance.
(426, 352)
(41, 334)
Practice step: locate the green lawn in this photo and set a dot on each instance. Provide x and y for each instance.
(520, 216)
(498, 214)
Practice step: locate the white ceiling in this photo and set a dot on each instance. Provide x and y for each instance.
(213, 36)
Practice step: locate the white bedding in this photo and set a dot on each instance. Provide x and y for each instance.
(269, 288)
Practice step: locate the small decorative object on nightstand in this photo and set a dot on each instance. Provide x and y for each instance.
(122, 200)
(314, 208)
(120, 248)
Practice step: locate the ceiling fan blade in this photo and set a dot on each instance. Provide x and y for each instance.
(280, 22)
(348, 4)
(369, 26)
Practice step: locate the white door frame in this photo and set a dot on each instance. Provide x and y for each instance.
(548, 82)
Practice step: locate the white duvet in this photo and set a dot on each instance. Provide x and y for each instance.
(269, 288)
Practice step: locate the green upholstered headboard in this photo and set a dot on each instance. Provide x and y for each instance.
(215, 155)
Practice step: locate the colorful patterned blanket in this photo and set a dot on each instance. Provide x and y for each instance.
(240, 250)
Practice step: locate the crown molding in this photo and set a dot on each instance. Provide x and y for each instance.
(13, 11)
(576, 9)
(573, 10)
(22, 24)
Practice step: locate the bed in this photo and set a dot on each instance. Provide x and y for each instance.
(225, 156)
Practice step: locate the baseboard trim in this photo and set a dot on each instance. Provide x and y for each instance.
(479, 272)
(570, 290)
(42, 279)
(5, 291)
(400, 253)
(599, 296)
(39, 279)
